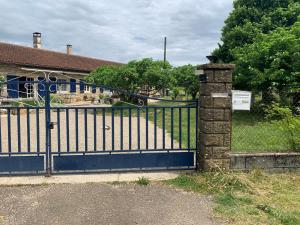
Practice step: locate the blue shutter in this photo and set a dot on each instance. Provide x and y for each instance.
(73, 85)
(93, 88)
(12, 86)
(81, 86)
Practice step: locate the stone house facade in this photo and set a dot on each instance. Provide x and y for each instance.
(20, 63)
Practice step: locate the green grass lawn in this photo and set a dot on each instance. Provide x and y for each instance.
(184, 124)
(248, 198)
(250, 132)
(168, 116)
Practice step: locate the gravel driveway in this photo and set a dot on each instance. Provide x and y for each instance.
(86, 204)
(81, 133)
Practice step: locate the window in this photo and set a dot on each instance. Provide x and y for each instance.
(30, 87)
(84, 87)
(87, 88)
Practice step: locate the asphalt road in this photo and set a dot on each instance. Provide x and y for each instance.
(92, 203)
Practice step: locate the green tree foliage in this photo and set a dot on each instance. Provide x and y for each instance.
(286, 121)
(147, 75)
(262, 38)
(251, 18)
(185, 78)
(272, 61)
(153, 75)
(134, 76)
(2, 80)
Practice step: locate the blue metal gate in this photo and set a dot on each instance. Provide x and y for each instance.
(48, 137)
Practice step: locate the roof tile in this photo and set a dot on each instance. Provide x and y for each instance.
(41, 58)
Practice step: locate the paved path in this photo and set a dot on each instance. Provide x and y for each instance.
(87, 204)
(23, 132)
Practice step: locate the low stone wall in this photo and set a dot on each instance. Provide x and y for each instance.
(77, 97)
(272, 162)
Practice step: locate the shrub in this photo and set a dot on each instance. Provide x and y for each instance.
(175, 93)
(286, 121)
(2, 80)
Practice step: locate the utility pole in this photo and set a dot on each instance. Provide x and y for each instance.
(165, 59)
(165, 49)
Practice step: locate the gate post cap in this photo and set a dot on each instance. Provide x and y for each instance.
(216, 66)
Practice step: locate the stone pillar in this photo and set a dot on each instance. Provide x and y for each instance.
(214, 139)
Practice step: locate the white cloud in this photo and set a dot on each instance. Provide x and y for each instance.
(119, 30)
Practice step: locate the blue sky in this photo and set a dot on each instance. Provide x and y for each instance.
(119, 30)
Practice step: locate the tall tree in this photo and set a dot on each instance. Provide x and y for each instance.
(262, 38)
(271, 62)
(185, 78)
(250, 18)
(134, 76)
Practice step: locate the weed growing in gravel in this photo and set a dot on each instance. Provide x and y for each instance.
(143, 181)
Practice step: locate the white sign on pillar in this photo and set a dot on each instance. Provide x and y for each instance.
(241, 100)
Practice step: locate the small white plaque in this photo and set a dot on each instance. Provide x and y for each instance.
(219, 95)
(241, 100)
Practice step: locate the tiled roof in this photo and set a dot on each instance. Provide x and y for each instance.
(41, 58)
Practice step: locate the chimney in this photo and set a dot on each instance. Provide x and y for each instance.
(37, 42)
(69, 49)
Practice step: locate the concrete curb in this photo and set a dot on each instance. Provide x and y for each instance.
(86, 178)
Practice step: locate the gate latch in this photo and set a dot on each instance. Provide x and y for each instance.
(51, 125)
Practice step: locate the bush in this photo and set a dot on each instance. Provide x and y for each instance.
(286, 121)
(175, 93)
(2, 80)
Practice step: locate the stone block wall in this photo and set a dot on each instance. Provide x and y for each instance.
(273, 162)
(215, 116)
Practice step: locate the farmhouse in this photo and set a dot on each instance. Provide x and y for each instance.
(20, 63)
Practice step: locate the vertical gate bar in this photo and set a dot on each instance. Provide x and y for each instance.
(112, 129)
(180, 129)
(28, 130)
(147, 128)
(0, 134)
(85, 131)
(58, 130)
(76, 130)
(103, 129)
(164, 127)
(189, 128)
(50, 137)
(196, 127)
(8, 130)
(138, 128)
(95, 130)
(155, 128)
(48, 131)
(172, 128)
(37, 130)
(121, 129)
(68, 130)
(19, 129)
(129, 121)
